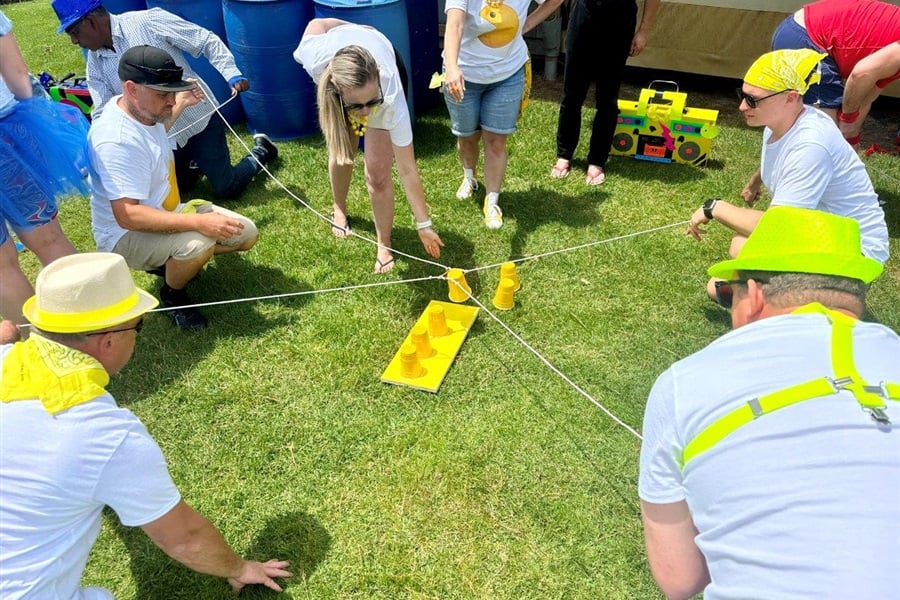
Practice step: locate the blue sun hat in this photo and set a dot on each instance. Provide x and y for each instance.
(69, 12)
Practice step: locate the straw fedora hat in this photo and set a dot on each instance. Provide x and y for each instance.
(86, 292)
(800, 240)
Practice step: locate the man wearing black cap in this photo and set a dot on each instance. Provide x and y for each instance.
(136, 207)
(200, 137)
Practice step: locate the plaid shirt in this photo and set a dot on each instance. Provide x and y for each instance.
(156, 27)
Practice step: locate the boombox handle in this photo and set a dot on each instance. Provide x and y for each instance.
(655, 81)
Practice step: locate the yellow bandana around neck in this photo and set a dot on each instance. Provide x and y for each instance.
(59, 376)
(786, 70)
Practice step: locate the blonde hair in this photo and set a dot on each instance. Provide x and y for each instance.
(351, 67)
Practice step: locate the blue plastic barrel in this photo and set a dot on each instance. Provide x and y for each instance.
(206, 14)
(426, 52)
(263, 35)
(387, 16)
(117, 7)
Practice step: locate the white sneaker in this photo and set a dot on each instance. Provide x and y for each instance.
(466, 188)
(493, 216)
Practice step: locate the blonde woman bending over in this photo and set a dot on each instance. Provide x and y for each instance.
(361, 82)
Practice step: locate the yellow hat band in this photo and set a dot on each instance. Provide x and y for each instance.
(85, 321)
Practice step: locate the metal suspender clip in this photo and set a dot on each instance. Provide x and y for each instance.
(877, 413)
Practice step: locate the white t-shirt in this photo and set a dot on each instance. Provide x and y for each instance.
(812, 166)
(57, 472)
(802, 502)
(128, 160)
(316, 51)
(492, 47)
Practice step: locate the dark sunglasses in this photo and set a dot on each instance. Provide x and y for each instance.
(370, 104)
(137, 329)
(752, 101)
(725, 291)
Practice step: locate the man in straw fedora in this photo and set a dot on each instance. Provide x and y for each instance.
(136, 208)
(805, 161)
(771, 458)
(67, 450)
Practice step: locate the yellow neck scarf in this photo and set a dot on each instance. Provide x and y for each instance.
(59, 376)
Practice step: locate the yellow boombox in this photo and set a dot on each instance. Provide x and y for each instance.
(660, 128)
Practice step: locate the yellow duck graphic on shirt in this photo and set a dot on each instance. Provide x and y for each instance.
(505, 22)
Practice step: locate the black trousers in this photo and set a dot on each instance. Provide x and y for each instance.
(598, 41)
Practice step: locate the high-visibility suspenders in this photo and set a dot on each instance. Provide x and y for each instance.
(870, 397)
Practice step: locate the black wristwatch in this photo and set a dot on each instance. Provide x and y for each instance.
(708, 208)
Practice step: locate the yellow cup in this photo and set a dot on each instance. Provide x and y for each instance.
(410, 366)
(437, 322)
(459, 288)
(508, 271)
(421, 342)
(503, 298)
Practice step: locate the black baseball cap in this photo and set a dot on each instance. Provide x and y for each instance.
(155, 68)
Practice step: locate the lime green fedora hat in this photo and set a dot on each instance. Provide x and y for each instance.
(799, 240)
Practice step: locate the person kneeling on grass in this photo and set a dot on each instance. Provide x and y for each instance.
(67, 450)
(361, 84)
(771, 458)
(136, 208)
(805, 161)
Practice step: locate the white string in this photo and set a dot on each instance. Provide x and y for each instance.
(294, 294)
(546, 362)
(579, 247)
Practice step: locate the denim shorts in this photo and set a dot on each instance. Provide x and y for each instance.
(492, 107)
(829, 92)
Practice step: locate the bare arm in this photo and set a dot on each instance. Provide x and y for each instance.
(739, 219)
(415, 195)
(639, 42)
(320, 26)
(678, 566)
(861, 88)
(182, 101)
(189, 537)
(540, 14)
(13, 68)
(133, 216)
(455, 81)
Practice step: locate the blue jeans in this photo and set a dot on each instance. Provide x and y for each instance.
(492, 107)
(209, 150)
(829, 92)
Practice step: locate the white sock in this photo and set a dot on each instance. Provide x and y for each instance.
(469, 174)
(492, 198)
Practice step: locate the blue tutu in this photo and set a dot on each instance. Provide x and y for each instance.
(43, 157)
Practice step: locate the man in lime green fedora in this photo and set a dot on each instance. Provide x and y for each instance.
(67, 450)
(771, 458)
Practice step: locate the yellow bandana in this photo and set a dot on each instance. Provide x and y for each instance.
(59, 376)
(785, 70)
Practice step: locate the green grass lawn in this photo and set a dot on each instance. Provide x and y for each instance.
(508, 483)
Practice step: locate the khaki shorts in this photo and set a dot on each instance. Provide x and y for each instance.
(144, 250)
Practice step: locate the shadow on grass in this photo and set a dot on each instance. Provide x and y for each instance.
(296, 536)
(164, 354)
(641, 170)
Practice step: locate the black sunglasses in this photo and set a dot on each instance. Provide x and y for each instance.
(137, 329)
(752, 101)
(370, 104)
(725, 291)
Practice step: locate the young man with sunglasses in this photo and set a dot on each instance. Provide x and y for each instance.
(771, 459)
(199, 135)
(136, 207)
(68, 450)
(805, 161)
